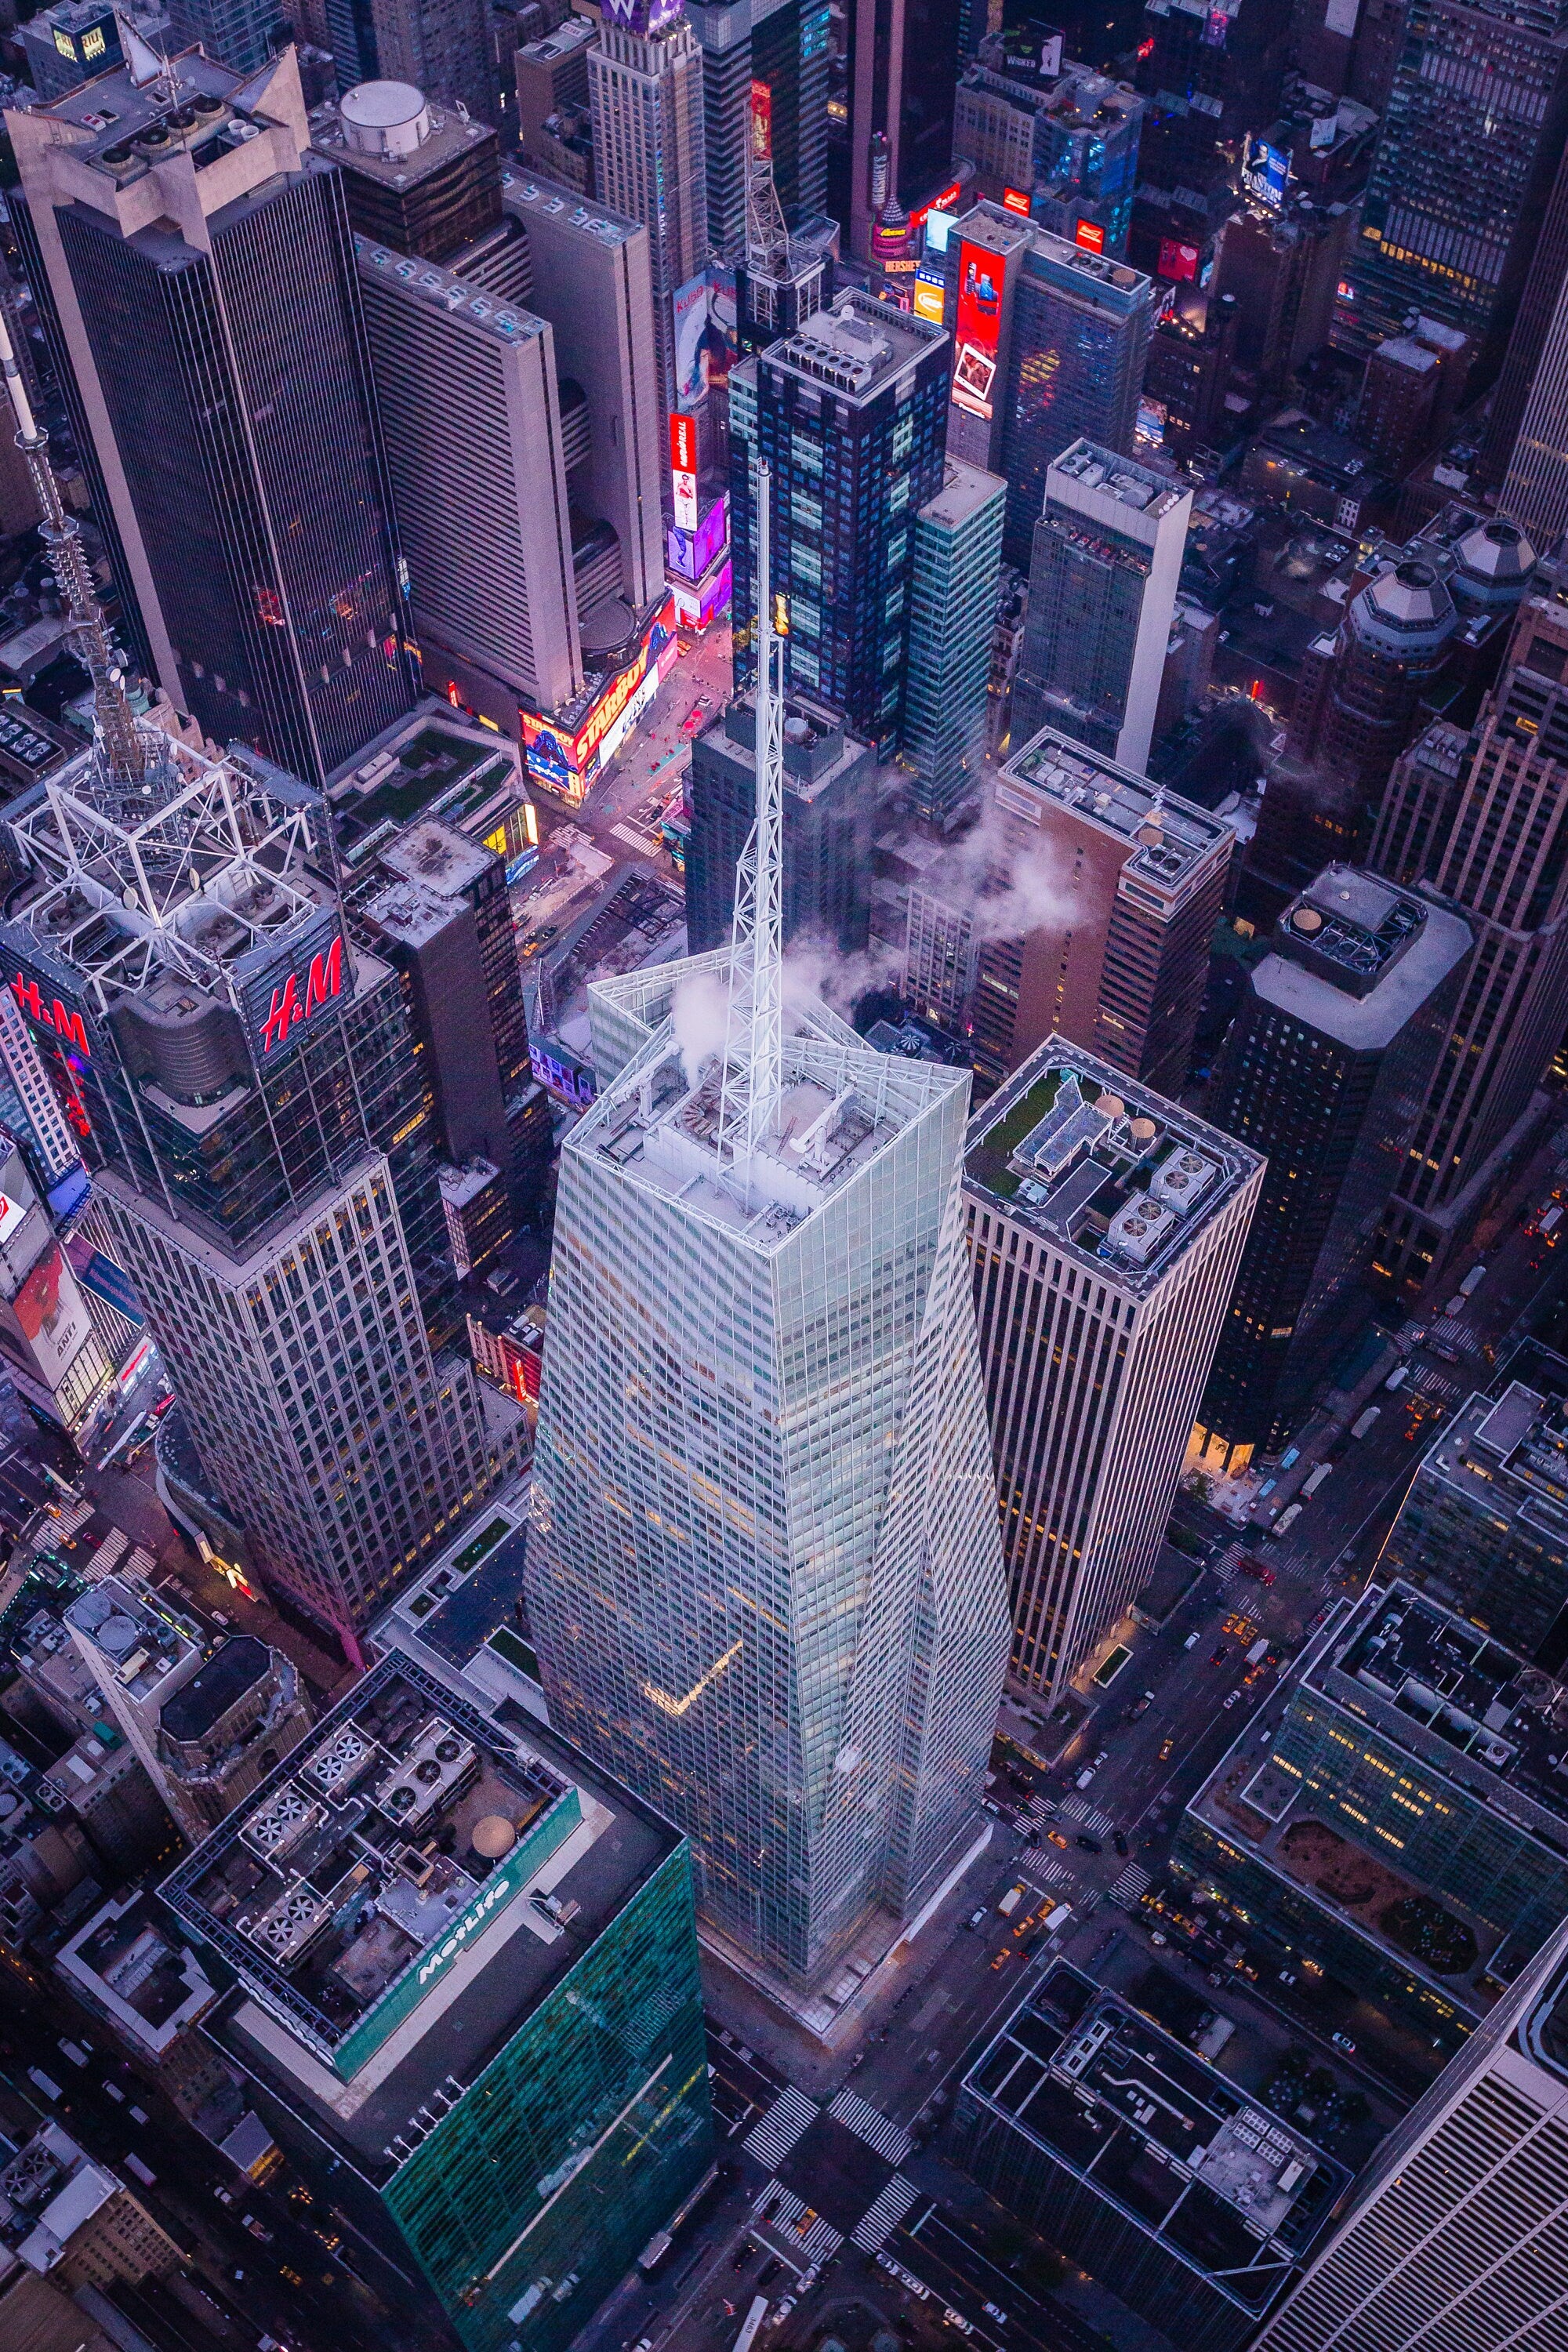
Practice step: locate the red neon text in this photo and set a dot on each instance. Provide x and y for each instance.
(59, 1017)
(324, 980)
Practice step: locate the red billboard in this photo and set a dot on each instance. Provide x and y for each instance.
(1176, 260)
(1090, 235)
(683, 467)
(566, 762)
(761, 122)
(979, 328)
(1016, 200)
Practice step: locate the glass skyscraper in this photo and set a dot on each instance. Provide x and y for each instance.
(765, 1579)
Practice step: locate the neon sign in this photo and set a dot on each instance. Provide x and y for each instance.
(66, 1024)
(323, 980)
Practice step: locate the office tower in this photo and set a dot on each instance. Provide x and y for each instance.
(795, 1358)
(902, 75)
(952, 612)
(1059, 134)
(1454, 205)
(1399, 391)
(1358, 63)
(437, 906)
(1483, 1525)
(1191, 353)
(1050, 343)
(1487, 828)
(1105, 1226)
(765, 87)
(1207, 90)
(644, 89)
(830, 786)
(853, 401)
(79, 2223)
(416, 175)
(1455, 2225)
(1335, 1041)
(465, 2003)
(1405, 1839)
(1280, 266)
(472, 410)
(70, 43)
(49, 1347)
(30, 1109)
(222, 382)
(442, 47)
(1102, 594)
(1109, 891)
(207, 1718)
(260, 1134)
(1138, 2157)
(1362, 686)
(554, 121)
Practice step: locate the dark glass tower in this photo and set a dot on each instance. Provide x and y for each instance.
(1463, 172)
(220, 372)
(903, 67)
(785, 51)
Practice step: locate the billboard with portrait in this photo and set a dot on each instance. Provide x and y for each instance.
(979, 326)
(704, 335)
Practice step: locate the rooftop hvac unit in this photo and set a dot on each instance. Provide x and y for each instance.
(293, 1922)
(279, 1826)
(335, 1767)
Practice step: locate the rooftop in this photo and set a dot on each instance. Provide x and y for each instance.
(140, 1640)
(198, 1705)
(127, 128)
(1112, 1173)
(431, 765)
(1510, 1452)
(126, 1962)
(1072, 266)
(1170, 840)
(841, 1105)
(392, 133)
(1099, 481)
(1226, 2187)
(1355, 959)
(858, 347)
(402, 1892)
(533, 198)
(506, 323)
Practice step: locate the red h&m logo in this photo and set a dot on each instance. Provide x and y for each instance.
(68, 1026)
(324, 980)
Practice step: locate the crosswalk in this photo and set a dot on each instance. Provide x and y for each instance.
(1043, 1870)
(877, 2225)
(1077, 1809)
(1225, 1564)
(792, 2220)
(771, 2140)
(870, 2124)
(1130, 1887)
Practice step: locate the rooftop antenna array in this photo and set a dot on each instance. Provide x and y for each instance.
(754, 1043)
(123, 755)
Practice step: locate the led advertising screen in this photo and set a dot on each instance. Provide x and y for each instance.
(283, 988)
(1265, 172)
(688, 553)
(683, 468)
(1016, 200)
(979, 328)
(1176, 260)
(565, 762)
(1090, 235)
(931, 296)
(761, 122)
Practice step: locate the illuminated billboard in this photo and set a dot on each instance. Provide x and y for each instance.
(565, 759)
(1265, 172)
(979, 329)
(1016, 200)
(690, 553)
(1176, 260)
(683, 468)
(761, 122)
(931, 296)
(1090, 235)
(283, 988)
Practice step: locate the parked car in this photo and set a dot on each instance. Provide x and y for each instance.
(1343, 2041)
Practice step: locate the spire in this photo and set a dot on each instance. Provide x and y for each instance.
(754, 1044)
(121, 748)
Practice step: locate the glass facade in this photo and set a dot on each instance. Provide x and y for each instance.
(1074, 369)
(765, 1579)
(952, 615)
(536, 2193)
(265, 511)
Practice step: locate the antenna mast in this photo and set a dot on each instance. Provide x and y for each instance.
(754, 1045)
(120, 743)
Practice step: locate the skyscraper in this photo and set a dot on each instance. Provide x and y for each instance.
(952, 615)
(903, 62)
(1486, 825)
(644, 89)
(830, 802)
(764, 61)
(1453, 2231)
(439, 45)
(1102, 595)
(1323, 1071)
(1105, 1226)
(764, 1578)
(1106, 942)
(1207, 89)
(195, 274)
(417, 176)
(484, 2048)
(1458, 190)
(1050, 343)
(1031, 121)
(849, 412)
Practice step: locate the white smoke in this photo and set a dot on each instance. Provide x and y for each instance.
(1007, 887)
(699, 1015)
(817, 973)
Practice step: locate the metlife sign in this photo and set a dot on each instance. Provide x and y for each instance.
(423, 1975)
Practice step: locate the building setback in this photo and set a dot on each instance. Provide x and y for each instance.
(194, 276)
(1105, 1226)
